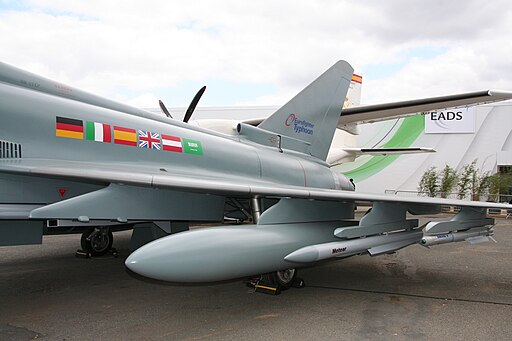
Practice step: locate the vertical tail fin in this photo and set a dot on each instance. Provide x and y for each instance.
(312, 115)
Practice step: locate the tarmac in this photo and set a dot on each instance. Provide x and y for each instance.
(449, 292)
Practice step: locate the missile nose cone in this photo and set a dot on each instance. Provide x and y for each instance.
(304, 255)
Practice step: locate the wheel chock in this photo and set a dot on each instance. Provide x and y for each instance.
(82, 254)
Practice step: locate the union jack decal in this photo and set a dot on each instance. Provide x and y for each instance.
(149, 140)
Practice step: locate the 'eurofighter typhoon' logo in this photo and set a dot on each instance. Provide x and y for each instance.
(299, 126)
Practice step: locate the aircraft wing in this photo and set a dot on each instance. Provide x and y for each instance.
(386, 111)
(143, 176)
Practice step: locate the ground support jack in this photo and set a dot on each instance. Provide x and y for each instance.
(267, 288)
(271, 288)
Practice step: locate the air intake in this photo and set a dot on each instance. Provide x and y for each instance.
(10, 150)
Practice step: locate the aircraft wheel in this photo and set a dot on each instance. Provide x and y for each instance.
(97, 241)
(283, 278)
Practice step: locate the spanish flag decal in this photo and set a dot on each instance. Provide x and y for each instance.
(357, 78)
(125, 136)
(70, 128)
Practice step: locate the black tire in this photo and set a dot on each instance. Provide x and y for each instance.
(284, 278)
(99, 245)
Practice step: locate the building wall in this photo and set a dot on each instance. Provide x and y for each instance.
(490, 145)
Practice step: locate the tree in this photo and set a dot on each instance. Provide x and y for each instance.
(448, 181)
(465, 181)
(429, 183)
(498, 184)
(469, 181)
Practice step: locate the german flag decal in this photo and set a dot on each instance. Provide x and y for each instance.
(70, 128)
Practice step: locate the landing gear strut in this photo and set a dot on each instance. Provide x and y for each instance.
(97, 241)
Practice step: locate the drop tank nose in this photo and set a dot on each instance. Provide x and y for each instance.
(222, 253)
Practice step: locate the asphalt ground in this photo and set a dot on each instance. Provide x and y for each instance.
(449, 292)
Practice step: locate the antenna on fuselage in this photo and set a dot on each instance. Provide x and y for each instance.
(164, 109)
(193, 104)
(190, 109)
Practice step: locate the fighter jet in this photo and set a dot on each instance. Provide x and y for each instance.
(71, 160)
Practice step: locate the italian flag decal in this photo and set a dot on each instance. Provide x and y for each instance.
(97, 132)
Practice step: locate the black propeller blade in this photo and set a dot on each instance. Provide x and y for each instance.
(164, 109)
(193, 104)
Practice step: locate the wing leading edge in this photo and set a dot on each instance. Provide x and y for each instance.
(386, 111)
(215, 185)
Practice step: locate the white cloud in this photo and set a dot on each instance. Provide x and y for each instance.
(130, 48)
(146, 100)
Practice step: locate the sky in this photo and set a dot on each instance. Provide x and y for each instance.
(261, 52)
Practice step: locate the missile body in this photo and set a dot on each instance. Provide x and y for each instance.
(479, 234)
(374, 245)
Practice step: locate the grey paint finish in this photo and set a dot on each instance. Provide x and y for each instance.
(20, 232)
(214, 184)
(121, 203)
(16, 211)
(304, 210)
(41, 190)
(221, 156)
(316, 109)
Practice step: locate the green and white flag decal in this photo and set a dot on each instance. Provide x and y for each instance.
(192, 147)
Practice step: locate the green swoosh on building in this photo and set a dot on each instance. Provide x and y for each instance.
(410, 129)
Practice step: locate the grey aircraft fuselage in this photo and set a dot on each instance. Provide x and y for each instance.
(30, 117)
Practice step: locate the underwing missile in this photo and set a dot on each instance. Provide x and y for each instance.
(473, 235)
(374, 245)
